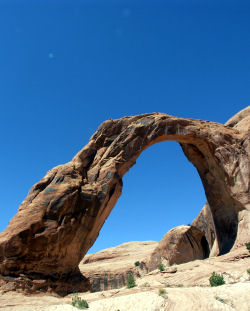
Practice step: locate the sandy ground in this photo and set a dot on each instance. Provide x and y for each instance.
(226, 297)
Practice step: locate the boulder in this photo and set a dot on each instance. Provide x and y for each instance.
(179, 245)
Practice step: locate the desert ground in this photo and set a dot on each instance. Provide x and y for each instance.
(186, 288)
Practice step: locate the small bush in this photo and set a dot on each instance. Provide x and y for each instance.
(248, 246)
(216, 279)
(137, 263)
(179, 285)
(220, 299)
(79, 303)
(131, 281)
(248, 271)
(161, 267)
(162, 292)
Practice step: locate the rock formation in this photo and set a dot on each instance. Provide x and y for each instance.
(181, 244)
(205, 223)
(63, 213)
(109, 268)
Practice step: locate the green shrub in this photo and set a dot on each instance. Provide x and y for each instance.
(248, 271)
(79, 303)
(179, 285)
(131, 281)
(161, 267)
(216, 279)
(137, 263)
(248, 246)
(220, 299)
(162, 292)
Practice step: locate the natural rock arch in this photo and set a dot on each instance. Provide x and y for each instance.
(62, 215)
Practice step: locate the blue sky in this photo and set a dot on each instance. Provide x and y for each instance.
(66, 66)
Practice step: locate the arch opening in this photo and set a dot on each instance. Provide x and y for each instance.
(161, 191)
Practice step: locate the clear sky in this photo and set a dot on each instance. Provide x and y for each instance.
(66, 66)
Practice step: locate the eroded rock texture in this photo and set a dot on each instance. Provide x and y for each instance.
(181, 244)
(205, 223)
(62, 215)
(109, 268)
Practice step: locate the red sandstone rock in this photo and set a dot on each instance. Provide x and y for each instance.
(109, 268)
(181, 244)
(205, 223)
(62, 215)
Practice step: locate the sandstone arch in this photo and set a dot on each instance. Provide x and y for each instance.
(62, 215)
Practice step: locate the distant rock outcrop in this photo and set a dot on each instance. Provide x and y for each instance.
(109, 268)
(62, 215)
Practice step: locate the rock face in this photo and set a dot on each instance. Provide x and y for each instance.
(205, 223)
(63, 213)
(109, 268)
(181, 244)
